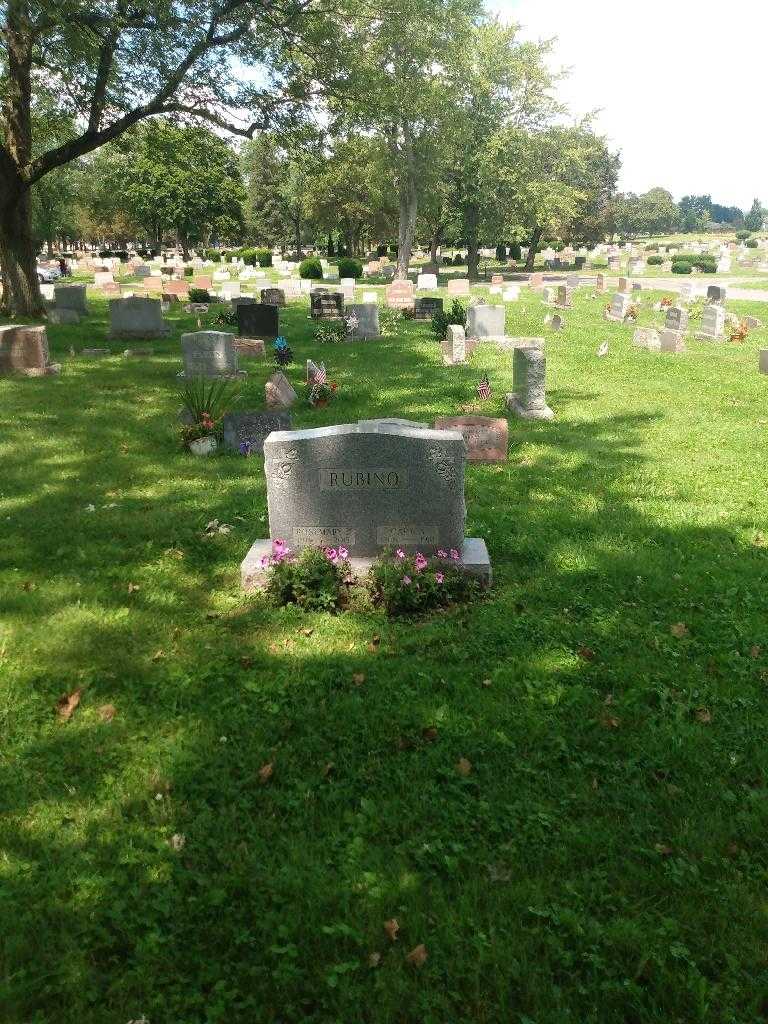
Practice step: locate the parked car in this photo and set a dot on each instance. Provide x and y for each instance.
(48, 275)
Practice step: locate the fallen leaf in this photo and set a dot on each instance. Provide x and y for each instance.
(158, 655)
(486, 682)
(429, 733)
(610, 722)
(107, 712)
(174, 553)
(246, 662)
(586, 653)
(28, 585)
(66, 704)
(679, 629)
(307, 632)
(328, 769)
(391, 927)
(374, 959)
(463, 766)
(132, 587)
(703, 715)
(663, 849)
(265, 772)
(418, 956)
(274, 648)
(178, 841)
(358, 678)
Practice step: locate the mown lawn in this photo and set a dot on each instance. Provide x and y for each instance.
(605, 858)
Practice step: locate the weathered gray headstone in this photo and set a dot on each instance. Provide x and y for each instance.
(646, 337)
(455, 345)
(136, 317)
(70, 296)
(716, 293)
(486, 321)
(24, 351)
(273, 296)
(671, 341)
(564, 296)
(426, 308)
(251, 428)
(528, 398)
(63, 316)
(619, 306)
(362, 320)
(712, 323)
(209, 354)
(676, 319)
(326, 305)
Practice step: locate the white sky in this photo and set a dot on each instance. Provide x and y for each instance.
(704, 135)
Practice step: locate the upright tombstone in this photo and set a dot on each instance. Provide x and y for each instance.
(136, 317)
(549, 294)
(427, 282)
(671, 341)
(70, 296)
(763, 361)
(686, 291)
(273, 296)
(455, 345)
(486, 321)
(246, 431)
(362, 321)
(676, 319)
(716, 293)
(600, 283)
(202, 281)
(623, 285)
(426, 308)
(258, 320)
(497, 279)
(326, 305)
(564, 296)
(177, 288)
(24, 351)
(279, 392)
(458, 286)
(528, 398)
(485, 437)
(712, 323)
(572, 281)
(209, 354)
(399, 295)
(647, 338)
(367, 487)
(619, 306)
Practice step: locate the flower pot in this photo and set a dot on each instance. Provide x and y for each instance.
(321, 403)
(203, 446)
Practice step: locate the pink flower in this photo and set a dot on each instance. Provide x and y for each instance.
(407, 581)
(455, 554)
(278, 545)
(265, 561)
(400, 553)
(421, 562)
(330, 554)
(439, 576)
(441, 553)
(343, 553)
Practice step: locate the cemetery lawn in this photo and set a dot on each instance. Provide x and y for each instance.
(599, 854)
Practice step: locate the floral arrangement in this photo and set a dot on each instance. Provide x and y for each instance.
(737, 333)
(321, 392)
(316, 579)
(204, 405)
(665, 301)
(283, 352)
(414, 584)
(633, 312)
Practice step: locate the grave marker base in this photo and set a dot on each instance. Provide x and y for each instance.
(515, 407)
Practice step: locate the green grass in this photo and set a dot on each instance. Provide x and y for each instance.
(604, 860)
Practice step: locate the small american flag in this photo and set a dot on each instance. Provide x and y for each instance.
(484, 388)
(320, 376)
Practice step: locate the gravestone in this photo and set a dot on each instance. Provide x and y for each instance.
(600, 283)
(179, 288)
(257, 320)
(425, 309)
(251, 428)
(486, 321)
(712, 323)
(272, 296)
(203, 281)
(676, 319)
(686, 292)
(619, 306)
(763, 360)
(572, 281)
(428, 282)
(362, 320)
(548, 295)
(623, 284)
(431, 268)
(458, 286)
(528, 398)
(716, 293)
(536, 281)
(564, 296)
(671, 341)
(279, 392)
(102, 277)
(253, 348)
(454, 347)
(399, 295)
(70, 296)
(485, 437)
(209, 354)
(141, 271)
(136, 317)
(24, 351)
(368, 488)
(646, 337)
(580, 262)
(497, 279)
(326, 305)
(556, 322)
(63, 316)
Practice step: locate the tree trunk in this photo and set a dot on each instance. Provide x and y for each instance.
(409, 202)
(533, 248)
(437, 238)
(183, 241)
(471, 223)
(331, 251)
(21, 292)
(297, 236)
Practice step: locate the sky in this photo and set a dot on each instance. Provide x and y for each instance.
(680, 86)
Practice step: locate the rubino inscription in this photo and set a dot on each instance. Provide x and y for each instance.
(363, 479)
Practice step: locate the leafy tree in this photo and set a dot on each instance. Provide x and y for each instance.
(754, 219)
(696, 212)
(727, 215)
(114, 63)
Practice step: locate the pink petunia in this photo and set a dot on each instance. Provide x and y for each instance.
(330, 554)
(421, 562)
(400, 553)
(441, 553)
(440, 577)
(455, 554)
(407, 581)
(343, 553)
(278, 545)
(265, 561)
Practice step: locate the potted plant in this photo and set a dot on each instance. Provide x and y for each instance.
(321, 393)
(204, 405)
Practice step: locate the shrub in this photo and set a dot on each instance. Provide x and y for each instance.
(447, 261)
(501, 253)
(653, 247)
(751, 243)
(459, 259)
(599, 264)
(350, 268)
(199, 295)
(389, 320)
(681, 267)
(213, 255)
(315, 580)
(456, 315)
(264, 257)
(414, 584)
(330, 332)
(743, 235)
(655, 261)
(311, 269)
(188, 271)
(515, 251)
(227, 317)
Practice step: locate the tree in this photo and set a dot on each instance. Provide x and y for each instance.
(754, 219)
(696, 212)
(115, 63)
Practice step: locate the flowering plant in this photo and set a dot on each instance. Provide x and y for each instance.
(315, 579)
(737, 333)
(321, 392)
(407, 584)
(204, 405)
(283, 352)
